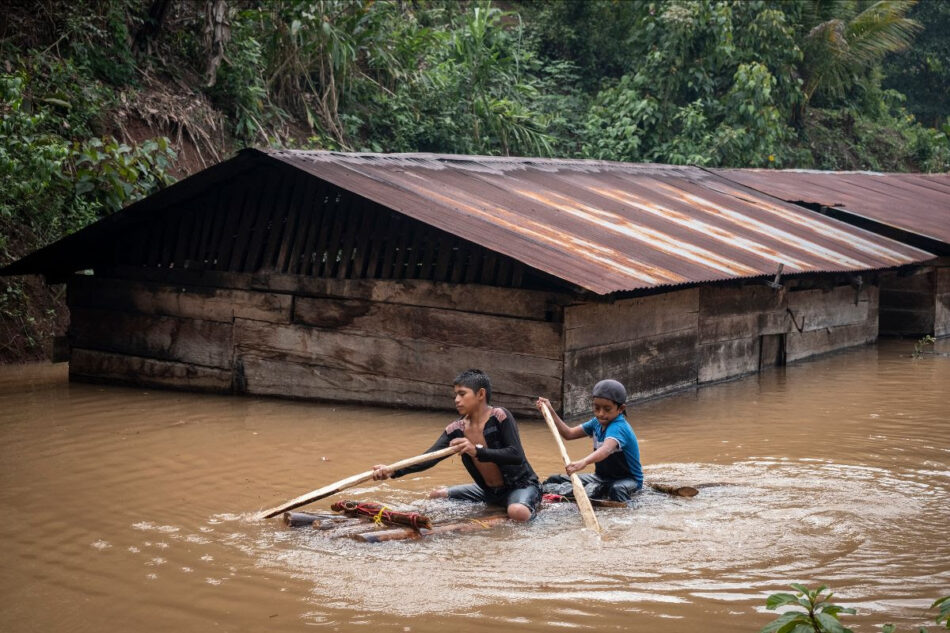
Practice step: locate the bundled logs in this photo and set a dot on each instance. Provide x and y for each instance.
(373, 522)
(381, 514)
(463, 525)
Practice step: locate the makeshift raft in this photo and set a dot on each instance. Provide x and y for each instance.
(372, 522)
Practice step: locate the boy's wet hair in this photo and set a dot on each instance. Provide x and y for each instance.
(475, 379)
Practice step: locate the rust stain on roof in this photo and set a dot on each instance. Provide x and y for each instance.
(915, 203)
(608, 227)
(729, 238)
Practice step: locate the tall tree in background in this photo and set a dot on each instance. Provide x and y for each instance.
(922, 72)
(845, 39)
(714, 85)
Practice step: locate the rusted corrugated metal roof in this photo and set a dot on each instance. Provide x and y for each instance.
(607, 227)
(915, 203)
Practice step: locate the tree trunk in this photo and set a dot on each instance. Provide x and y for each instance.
(152, 25)
(217, 36)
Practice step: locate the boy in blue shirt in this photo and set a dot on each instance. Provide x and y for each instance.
(616, 455)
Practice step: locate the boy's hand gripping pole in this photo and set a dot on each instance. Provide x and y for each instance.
(580, 495)
(349, 482)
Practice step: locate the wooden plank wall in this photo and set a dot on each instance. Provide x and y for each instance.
(908, 302)
(942, 298)
(401, 342)
(392, 343)
(648, 343)
(667, 342)
(732, 321)
(828, 320)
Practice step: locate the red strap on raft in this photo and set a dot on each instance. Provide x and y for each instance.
(382, 514)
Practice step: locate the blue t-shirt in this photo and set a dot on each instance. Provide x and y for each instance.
(623, 463)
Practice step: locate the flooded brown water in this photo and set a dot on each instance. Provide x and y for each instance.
(130, 509)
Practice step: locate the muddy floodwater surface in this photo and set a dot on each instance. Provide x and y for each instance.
(133, 510)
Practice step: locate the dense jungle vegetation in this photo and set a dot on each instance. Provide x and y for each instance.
(103, 101)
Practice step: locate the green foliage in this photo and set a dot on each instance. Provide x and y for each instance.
(943, 606)
(98, 38)
(112, 174)
(839, 51)
(486, 93)
(811, 612)
(706, 92)
(32, 164)
(54, 186)
(918, 352)
(316, 54)
(28, 325)
(239, 87)
(597, 37)
(470, 87)
(922, 72)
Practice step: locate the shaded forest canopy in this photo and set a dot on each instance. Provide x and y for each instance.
(103, 102)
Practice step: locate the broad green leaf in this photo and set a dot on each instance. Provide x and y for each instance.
(781, 621)
(778, 599)
(830, 623)
(58, 102)
(835, 609)
(800, 588)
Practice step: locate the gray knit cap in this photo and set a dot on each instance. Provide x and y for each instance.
(610, 389)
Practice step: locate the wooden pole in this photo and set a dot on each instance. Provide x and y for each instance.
(299, 519)
(349, 482)
(580, 495)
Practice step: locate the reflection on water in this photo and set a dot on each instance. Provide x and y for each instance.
(134, 509)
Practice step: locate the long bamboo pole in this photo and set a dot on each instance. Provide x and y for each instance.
(580, 495)
(349, 482)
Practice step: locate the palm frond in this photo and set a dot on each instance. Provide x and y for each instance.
(838, 50)
(880, 29)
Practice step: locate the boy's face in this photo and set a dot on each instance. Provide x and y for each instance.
(606, 410)
(466, 400)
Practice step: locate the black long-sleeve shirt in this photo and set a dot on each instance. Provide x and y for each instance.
(502, 447)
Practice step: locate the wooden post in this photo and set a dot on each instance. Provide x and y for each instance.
(676, 491)
(298, 519)
(349, 482)
(580, 495)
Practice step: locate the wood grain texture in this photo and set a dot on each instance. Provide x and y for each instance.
(436, 325)
(189, 301)
(191, 341)
(426, 361)
(97, 366)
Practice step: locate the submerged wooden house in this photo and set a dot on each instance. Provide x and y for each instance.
(374, 279)
(911, 208)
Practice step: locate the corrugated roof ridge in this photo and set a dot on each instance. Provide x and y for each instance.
(474, 158)
(831, 172)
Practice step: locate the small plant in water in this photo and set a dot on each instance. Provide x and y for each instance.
(921, 344)
(813, 612)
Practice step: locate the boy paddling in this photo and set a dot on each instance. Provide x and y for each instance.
(491, 452)
(616, 455)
